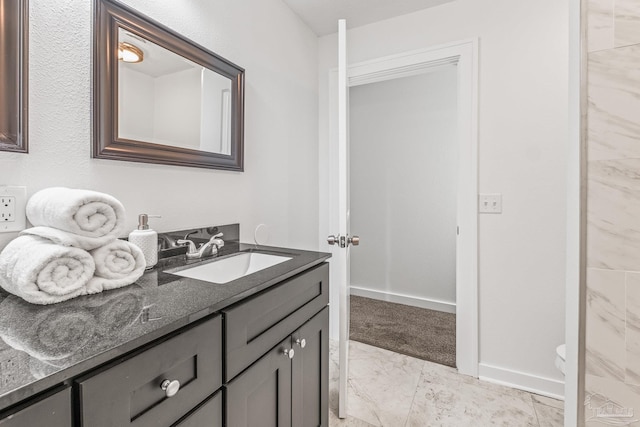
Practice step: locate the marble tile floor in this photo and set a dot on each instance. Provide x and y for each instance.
(393, 390)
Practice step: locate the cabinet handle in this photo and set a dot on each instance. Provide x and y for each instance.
(289, 353)
(301, 342)
(170, 388)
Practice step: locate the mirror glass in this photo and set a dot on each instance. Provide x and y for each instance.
(13, 75)
(161, 98)
(167, 99)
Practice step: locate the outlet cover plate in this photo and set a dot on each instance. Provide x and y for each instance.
(14, 208)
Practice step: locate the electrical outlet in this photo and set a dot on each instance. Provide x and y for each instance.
(13, 202)
(490, 203)
(7, 208)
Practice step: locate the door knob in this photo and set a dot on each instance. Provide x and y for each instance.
(170, 388)
(301, 342)
(289, 353)
(343, 241)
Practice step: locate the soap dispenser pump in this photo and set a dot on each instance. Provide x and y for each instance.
(146, 239)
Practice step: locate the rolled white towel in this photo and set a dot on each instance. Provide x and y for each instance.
(118, 264)
(41, 272)
(66, 238)
(83, 212)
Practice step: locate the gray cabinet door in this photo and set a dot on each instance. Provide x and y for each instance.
(52, 411)
(261, 395)
(310, 373)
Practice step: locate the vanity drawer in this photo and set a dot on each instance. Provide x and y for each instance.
(130, 393)
(52, 411)
(257, 325)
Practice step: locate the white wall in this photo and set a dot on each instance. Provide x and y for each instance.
(403, 166)
(136, 100)
(279, 54)
(213, 113)
(522, 154)
(178, 108)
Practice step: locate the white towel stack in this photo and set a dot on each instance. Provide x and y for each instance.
(73, 249)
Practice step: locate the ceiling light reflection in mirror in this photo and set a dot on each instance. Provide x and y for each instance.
(166, 99)
(130, 53)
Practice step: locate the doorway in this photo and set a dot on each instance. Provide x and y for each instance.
(403, 187)
(462, 55)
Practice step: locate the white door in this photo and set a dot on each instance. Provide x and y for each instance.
(342, 241)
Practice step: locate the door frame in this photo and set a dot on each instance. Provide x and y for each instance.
(463, 54)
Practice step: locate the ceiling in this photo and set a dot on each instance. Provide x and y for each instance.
(322, 15)
(158, 61)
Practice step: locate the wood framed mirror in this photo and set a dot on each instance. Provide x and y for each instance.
(14, 75)
(161, 98)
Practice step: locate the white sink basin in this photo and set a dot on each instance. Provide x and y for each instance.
(232, 268)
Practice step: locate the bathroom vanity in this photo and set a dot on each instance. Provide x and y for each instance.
(175, 351)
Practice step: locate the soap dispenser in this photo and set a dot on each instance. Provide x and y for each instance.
(146, 239)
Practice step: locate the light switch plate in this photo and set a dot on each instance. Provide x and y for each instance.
(13, 202)
(490, 203)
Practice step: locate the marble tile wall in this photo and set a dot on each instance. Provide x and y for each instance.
(613, 209)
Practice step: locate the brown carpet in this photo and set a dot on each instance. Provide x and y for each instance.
(418, 332)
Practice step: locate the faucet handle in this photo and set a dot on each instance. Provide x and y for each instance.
(192, 246)
(217, 241)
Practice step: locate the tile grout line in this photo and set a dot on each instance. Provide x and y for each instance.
(424, 364)
(553, 408)
(535, 411)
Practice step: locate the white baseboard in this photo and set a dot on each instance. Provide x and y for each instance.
(447, 307)
(532, 383)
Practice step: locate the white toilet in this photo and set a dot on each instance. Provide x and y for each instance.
(561, 355)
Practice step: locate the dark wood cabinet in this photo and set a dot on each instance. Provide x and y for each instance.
(288, 386)
(261, 395)
(255, 326)
(310, 373)
(261, 362)
(281, 337)
(131, 393)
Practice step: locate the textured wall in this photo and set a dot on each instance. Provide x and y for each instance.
(613, 212)
(279, 54)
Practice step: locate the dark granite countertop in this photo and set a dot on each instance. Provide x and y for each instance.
(43, 346)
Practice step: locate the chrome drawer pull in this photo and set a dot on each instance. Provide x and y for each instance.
(301, 342)
(170, 388)
(289, 353)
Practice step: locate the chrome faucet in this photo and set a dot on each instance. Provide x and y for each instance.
(207, 249)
